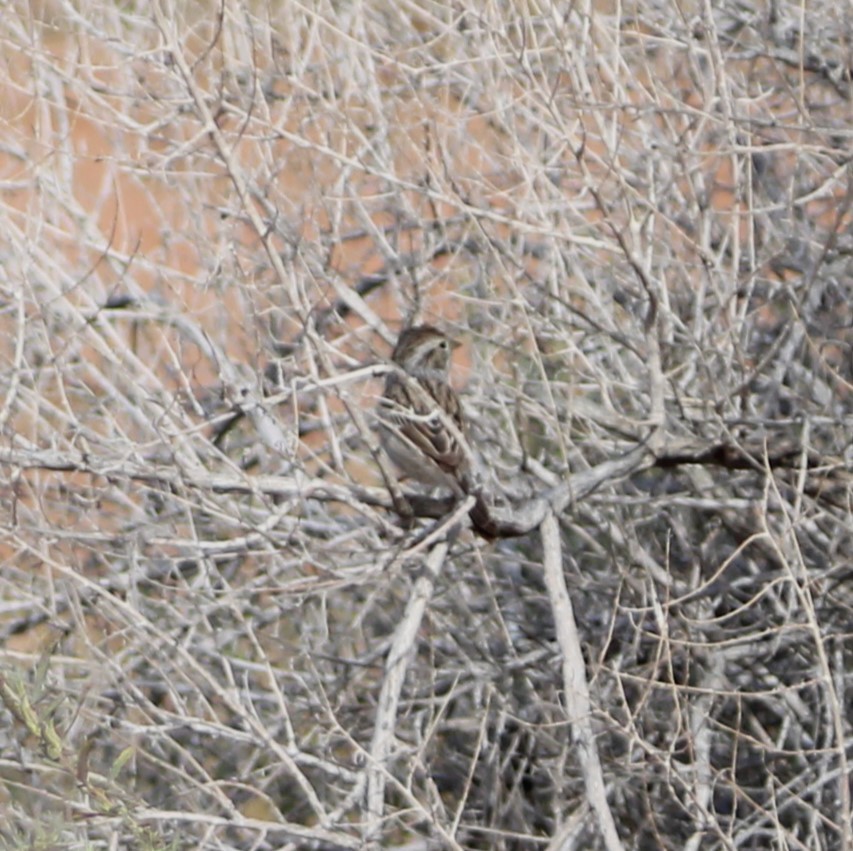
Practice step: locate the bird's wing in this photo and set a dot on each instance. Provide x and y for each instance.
(422, 425)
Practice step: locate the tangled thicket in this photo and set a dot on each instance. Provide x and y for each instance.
(216, 630)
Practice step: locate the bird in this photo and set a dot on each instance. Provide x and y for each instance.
(421, 424)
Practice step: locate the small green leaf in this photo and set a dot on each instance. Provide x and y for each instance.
(120, 761)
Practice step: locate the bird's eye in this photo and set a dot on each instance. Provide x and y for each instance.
(443, 344)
